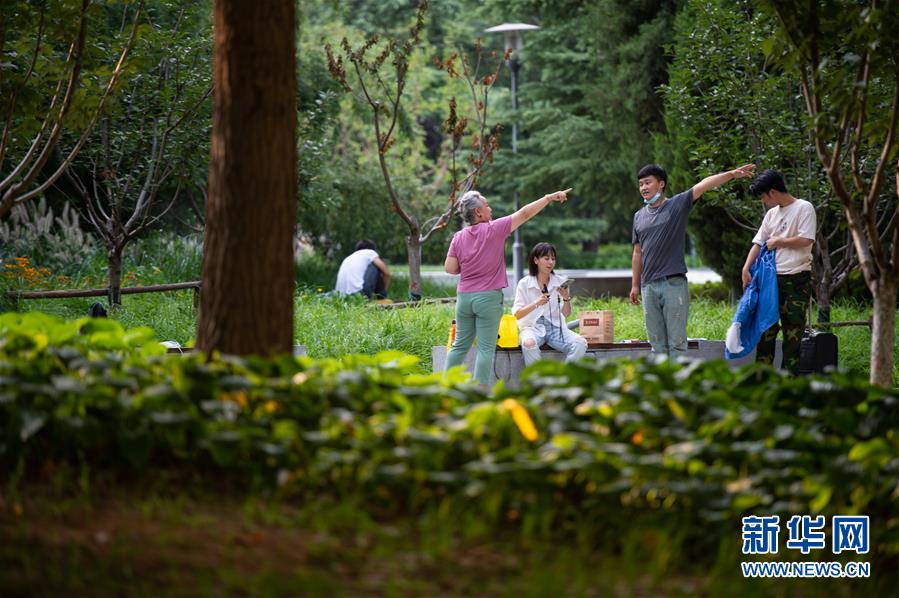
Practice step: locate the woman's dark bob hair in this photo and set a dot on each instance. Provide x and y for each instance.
(539, 250)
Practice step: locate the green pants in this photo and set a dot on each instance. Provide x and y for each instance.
(477, 314)
(794, 291)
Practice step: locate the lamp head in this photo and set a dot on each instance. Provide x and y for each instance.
(512, 33)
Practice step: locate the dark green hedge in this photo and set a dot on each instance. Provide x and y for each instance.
(687, 449)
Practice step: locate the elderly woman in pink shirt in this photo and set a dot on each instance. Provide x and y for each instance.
(477, 253)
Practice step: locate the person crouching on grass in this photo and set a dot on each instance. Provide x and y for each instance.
(541, 306)
(478, 254)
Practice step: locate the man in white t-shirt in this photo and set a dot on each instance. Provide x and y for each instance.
(789, 227)
(364, 272)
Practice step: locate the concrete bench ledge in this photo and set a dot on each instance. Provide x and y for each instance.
(508, 363)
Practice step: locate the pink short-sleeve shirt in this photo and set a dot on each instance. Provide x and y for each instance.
(481, 251)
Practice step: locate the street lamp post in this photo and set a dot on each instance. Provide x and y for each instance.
(512, 34)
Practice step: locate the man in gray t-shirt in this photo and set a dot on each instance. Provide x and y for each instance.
(658, 268)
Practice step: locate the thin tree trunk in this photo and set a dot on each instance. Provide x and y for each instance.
(413, 251)
(823, 272)
(248, 270)
(824, 305)
(822, 297)
(883, 331)
(114, 267)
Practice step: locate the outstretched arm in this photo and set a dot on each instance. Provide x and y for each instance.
(532, 209)
(716, 180)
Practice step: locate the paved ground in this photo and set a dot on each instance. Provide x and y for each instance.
(695, 276)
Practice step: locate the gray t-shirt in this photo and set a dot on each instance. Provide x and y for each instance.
(661, 233)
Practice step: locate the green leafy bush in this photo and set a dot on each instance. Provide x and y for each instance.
(605, 448)
(710, 291)
(314, 273)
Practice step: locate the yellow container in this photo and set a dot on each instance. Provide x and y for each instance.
(508, 332)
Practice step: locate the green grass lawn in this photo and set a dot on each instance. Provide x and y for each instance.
(331, 328)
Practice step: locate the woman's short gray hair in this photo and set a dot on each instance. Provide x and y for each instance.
(468, 203)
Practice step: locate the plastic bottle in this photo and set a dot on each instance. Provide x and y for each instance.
(452, 335)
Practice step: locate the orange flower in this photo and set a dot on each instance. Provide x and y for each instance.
(23, 272)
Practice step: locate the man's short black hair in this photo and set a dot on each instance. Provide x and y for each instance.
(766, 181)
(366, 244)
(653, 170)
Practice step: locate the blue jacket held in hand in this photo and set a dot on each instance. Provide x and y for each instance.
(758, 308)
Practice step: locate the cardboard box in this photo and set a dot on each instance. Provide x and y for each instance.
(598, 326)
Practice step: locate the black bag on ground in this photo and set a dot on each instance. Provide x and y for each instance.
(817, 351)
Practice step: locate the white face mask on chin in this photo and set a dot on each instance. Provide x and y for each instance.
(653, 199)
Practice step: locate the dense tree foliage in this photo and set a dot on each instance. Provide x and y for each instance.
(151, 143)
(728, 101)
(589, 110)
(341, 189)
(844, 56)
(726, 105)
(605, 87)
(59, 65)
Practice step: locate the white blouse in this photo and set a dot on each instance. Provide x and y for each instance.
(529, 291)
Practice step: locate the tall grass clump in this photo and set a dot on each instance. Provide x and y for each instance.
(332, 327)
(55, 244)
(70, 261)
(165, 258)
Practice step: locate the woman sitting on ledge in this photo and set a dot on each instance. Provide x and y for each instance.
(542, 302)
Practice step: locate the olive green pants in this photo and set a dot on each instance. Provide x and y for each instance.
(794, 291)
(477, 314)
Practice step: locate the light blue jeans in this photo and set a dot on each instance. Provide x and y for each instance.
(563, 340)
(666, 306)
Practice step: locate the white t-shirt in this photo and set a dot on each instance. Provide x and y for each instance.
(794, 220)
(351, 276)
(527, 292)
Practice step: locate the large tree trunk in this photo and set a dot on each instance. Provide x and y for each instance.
(413, 252)
(248, 270)
(883, 332)
(114, 270)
